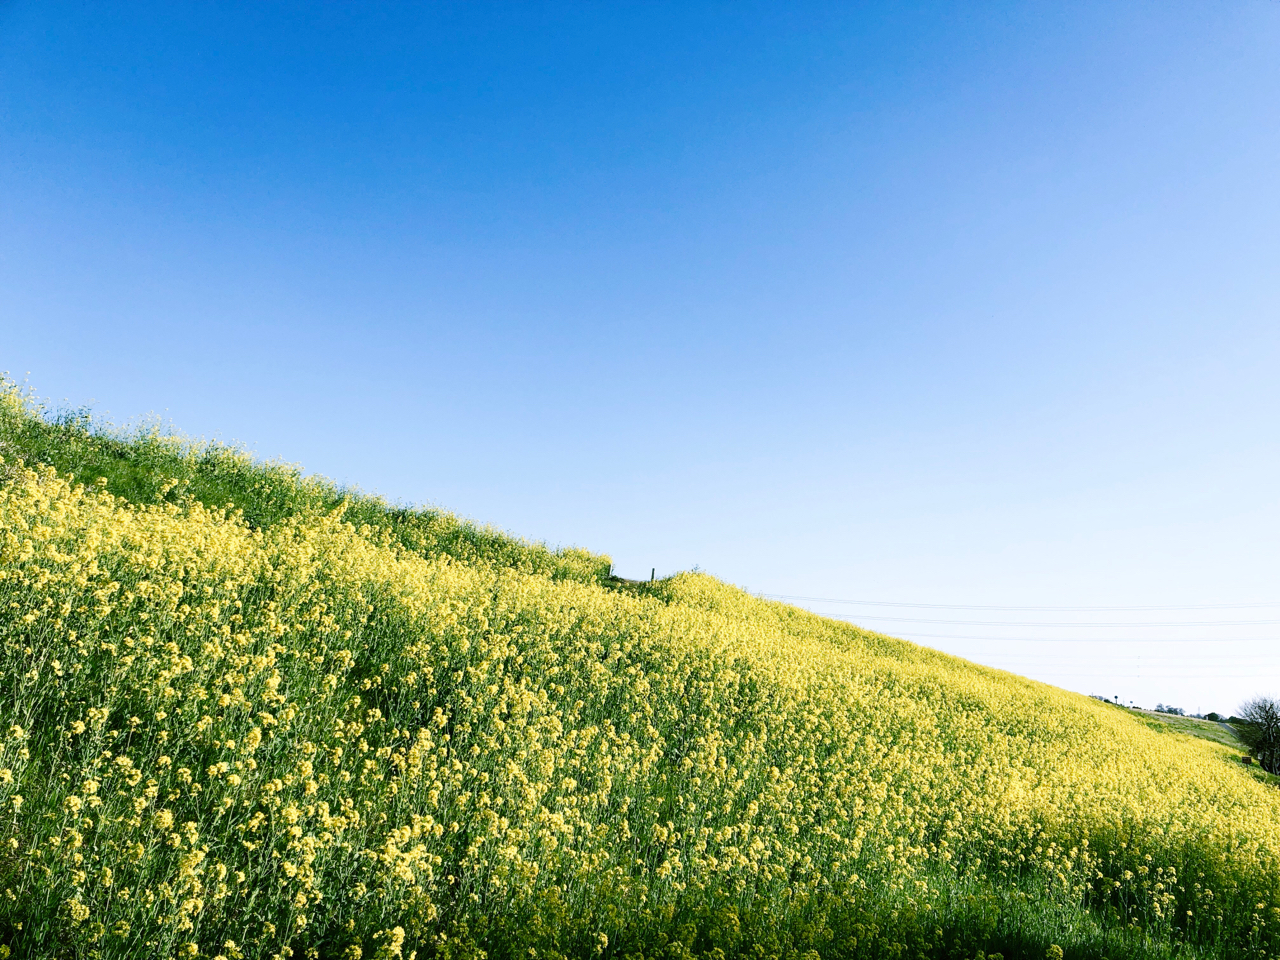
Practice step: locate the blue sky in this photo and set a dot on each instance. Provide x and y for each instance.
(931, 303)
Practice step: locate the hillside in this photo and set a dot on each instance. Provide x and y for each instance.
(1218, 732)
(250, 714)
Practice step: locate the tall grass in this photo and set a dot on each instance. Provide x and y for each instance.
(151, 465)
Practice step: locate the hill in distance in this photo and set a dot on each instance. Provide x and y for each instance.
(248, 714)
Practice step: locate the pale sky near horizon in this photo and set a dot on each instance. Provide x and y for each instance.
(972, 306)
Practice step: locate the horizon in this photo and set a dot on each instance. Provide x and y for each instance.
(913, 309)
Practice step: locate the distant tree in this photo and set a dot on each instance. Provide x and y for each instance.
(1259, 730)
(1211, 715)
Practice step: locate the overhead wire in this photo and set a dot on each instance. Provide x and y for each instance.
(1027, 609)
(1074, 623)
(949, 636)
(859, 618)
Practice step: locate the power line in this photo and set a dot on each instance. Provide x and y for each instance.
(1137, 676)
(965, 606)
(950, 636)
(1265, 659)
(1067, 623)
(1117, 668)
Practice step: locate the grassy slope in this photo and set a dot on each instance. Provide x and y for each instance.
(1220, 733)
(782, 782)
(1204, 729)
(149, 466)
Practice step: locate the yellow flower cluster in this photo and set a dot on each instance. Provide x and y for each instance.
(234, 741)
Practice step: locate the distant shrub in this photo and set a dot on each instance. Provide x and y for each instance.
(1260, 731)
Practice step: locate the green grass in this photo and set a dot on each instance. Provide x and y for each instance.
(150, 465)
(1214, 732)
(1193, 727)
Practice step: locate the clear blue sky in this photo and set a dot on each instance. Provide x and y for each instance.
(936, 303)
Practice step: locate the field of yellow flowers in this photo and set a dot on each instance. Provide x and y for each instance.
(247, 714)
